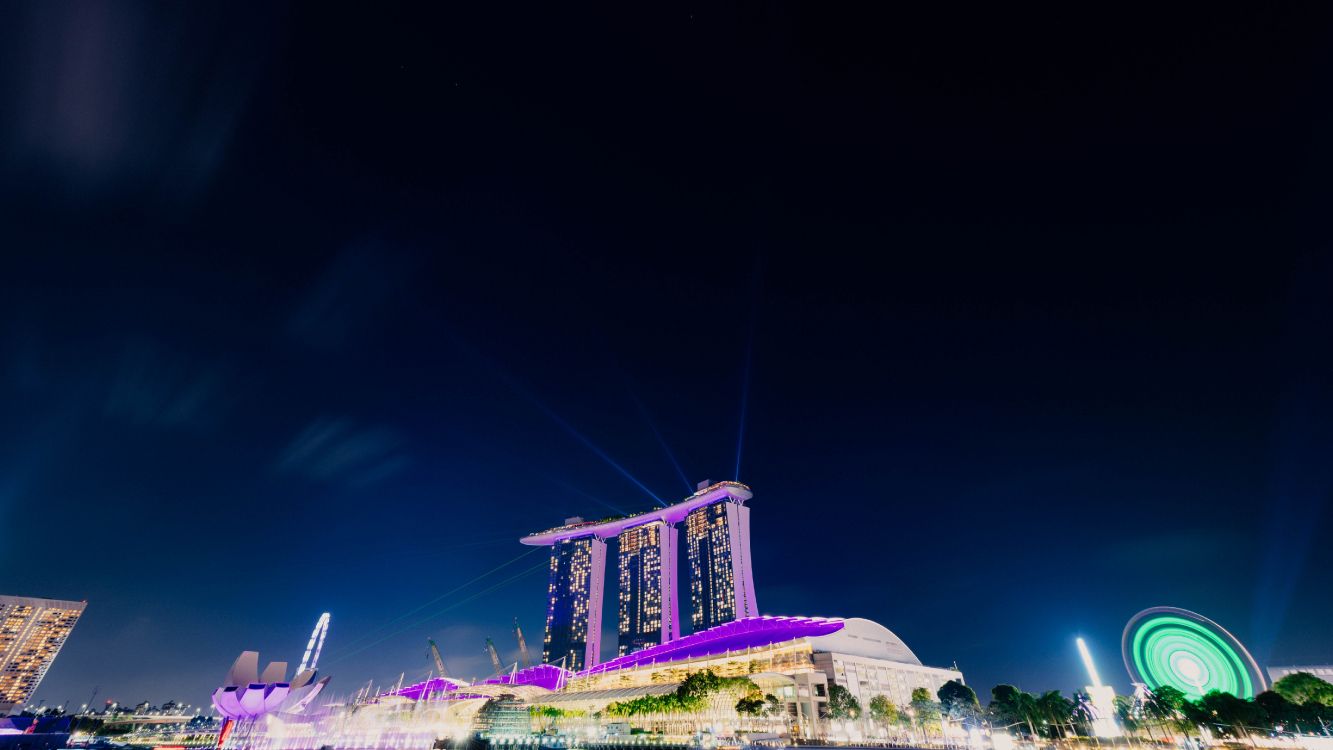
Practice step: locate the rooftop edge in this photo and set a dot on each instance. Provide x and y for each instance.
(612, 527)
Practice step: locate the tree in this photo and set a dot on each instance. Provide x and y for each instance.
(1127, 711)
(959, 702)
(924, 708)
(774, 707)
(1010, 707)
(842, 704)
(690, 696)
(1166, 705)
(751, 705)
(1278, 709)
(699, 685)
(1055, 711)
(1194, 714)
(1081, 716)
(1314, 712)
(883, 711)
(1302, 687)
(1231, 715)
(1164, 702)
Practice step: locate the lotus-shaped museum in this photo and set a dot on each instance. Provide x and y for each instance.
(248, 694)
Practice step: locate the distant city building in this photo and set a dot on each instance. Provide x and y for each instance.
(1322, 671)
(31, 634)
(721, 582)
(649, 604)
(574, 603)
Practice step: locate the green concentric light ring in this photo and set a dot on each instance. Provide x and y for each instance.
(1176, 647)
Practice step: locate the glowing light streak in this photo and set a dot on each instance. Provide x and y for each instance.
(439, 598)
(662, 442)
(539, 566)
(1087, 662)
(569, 428)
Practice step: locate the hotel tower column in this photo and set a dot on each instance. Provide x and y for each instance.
(574, 603)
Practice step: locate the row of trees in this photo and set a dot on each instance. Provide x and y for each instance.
(956, 702)
(1297, 703)
(693, 695)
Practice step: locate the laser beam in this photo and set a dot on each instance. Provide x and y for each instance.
(643, 410)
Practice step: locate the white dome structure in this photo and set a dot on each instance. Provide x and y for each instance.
(867, 639)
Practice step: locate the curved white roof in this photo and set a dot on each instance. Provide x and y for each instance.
(862, 637)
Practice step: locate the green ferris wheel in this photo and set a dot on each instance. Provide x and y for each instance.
(1189, 652)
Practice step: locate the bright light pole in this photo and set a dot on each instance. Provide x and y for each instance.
(1102, 697)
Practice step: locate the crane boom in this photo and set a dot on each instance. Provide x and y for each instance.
(495, 656)
(439, 660)
(522, 645)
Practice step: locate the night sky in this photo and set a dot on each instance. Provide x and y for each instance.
(1019, 319)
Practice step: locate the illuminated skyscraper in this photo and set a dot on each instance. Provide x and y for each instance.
(721, 584)
(721, 581)
(574, 603)
(648, 598)
(31, 634)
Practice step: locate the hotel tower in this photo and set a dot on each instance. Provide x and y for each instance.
(721, 581)
(31, 634)
(649, 604)
(717, 530)
(574, 603)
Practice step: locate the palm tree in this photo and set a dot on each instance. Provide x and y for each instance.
(1055, 709)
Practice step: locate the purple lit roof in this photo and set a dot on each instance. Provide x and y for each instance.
(738, 635)
(433, 685)
(546, 676)
(671, 514)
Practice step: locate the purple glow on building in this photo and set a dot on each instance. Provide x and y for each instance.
(738, 635)
(671, 514)
(246, 694)
(546, 676)
(430, 687)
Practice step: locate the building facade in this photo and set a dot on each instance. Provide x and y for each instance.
(32, 631)
(721, 582)
(795, 659)
(649, 605)
(1322, 671)
(868, 659)
(574, 603)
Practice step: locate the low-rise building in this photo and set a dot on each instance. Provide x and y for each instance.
(869, 660)
(1322, 671)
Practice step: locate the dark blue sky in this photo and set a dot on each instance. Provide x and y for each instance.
(301, 309)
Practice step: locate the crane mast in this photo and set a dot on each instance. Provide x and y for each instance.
(522, 645)
(495, 656)
(439, 660)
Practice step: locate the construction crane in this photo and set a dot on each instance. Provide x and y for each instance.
(495, 656)
(434, 653)
(522, 645)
